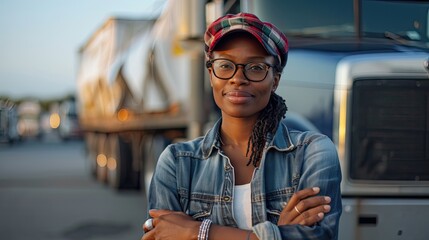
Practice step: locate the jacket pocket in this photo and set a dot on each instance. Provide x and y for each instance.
(273, 215)
(198, 206)
(200, 210)
(276, 201)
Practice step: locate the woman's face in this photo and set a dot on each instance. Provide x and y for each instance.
(239, 97)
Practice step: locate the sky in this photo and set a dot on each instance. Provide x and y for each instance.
(39, 41)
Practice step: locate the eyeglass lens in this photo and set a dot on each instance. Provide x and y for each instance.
(226, 69)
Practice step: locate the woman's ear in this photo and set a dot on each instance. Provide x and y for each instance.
(277, 77)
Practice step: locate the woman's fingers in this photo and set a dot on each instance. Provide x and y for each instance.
(169, 224)
(311, 202)
(305, 208)
(150, 223)
(148, 235)
(302, 194)
(312, 215)
(159, 212)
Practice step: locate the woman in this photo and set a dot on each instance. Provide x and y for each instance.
(249, 177)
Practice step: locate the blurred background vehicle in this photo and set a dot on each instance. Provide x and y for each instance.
(29, 113)
(8, 122)
(68, 126)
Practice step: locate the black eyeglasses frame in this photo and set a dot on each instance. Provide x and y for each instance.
(209, 64)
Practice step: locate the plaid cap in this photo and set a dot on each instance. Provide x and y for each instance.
(270, 37)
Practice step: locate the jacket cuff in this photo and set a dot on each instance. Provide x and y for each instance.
(267, 231)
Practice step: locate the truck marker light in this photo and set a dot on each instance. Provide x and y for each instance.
(123, 115)
(101, 160)
(111, 163)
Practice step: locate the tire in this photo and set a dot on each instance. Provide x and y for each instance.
(152, 149)
(120, 171)
(101, 158)
(91, 153)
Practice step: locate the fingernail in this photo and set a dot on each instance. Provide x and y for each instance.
(316, 189)
(320, 215)
(327, 207)
(327, 199)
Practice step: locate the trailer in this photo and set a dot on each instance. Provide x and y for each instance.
(140, 87)
(353, 74)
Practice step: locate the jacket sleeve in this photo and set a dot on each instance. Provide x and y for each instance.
(163, 193)
(320, 168)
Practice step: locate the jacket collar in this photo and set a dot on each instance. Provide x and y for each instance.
(281, 140)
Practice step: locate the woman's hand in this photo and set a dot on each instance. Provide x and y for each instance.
(172, 225)
(305, 208)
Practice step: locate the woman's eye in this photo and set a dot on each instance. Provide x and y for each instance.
(225, 66)
(256, 67)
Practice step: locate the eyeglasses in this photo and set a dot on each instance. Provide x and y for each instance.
(225, 69)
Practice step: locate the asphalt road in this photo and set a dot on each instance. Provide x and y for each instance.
(46, 192)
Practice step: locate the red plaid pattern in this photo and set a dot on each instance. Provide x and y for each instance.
(271, 38)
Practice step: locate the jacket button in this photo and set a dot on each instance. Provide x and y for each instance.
(227, 198)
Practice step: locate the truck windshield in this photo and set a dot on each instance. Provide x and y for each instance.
(400, 20)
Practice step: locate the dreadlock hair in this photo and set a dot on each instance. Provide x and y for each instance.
(267, 122)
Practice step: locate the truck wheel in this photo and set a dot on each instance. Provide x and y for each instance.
(152, 149)
(120, 172)
(101, 158)
(91, 153)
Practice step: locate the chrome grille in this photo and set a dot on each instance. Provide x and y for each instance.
(390, 130)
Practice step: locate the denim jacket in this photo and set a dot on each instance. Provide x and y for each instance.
(197, 178)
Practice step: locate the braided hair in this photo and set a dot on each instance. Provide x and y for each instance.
(267, 122)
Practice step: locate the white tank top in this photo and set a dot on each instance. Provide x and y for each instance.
(242, 206)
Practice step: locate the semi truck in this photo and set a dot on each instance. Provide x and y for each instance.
(357, 71)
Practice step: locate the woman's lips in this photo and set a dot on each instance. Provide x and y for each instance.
(238, 97)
